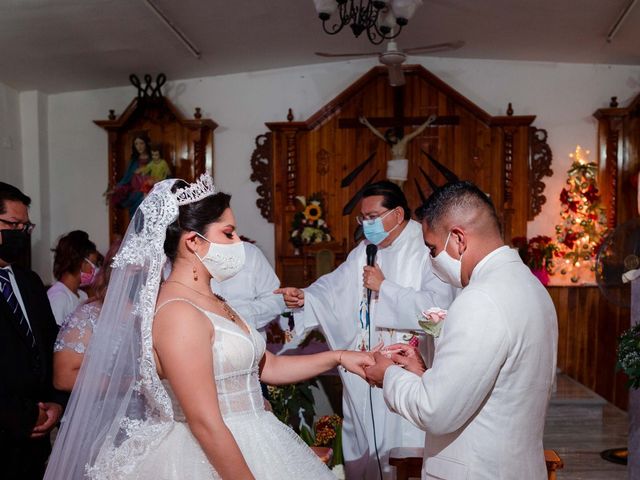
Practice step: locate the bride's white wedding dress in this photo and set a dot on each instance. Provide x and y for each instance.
(271, 449)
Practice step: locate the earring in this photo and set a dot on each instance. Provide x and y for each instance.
(195, 274)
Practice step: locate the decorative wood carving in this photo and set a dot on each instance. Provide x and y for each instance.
(507, 163)
(322, 161)
(611, 168)
(187, 145)
(619, 159)
(492, 151)
(262, 172)
(539, 168)
(291, 168)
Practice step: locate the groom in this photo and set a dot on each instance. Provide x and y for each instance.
(483, 402)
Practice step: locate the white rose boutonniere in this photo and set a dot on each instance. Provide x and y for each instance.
(431, 320)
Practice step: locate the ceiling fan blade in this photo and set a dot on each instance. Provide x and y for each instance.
(436, 47)
(396, 76)
(334, 55)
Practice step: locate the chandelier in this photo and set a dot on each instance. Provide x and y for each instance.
(381, 19)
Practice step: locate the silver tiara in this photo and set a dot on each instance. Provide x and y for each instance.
(202, 188)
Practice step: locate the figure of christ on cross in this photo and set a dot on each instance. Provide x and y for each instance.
(398, 166)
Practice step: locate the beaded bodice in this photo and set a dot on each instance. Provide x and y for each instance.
(236, 356)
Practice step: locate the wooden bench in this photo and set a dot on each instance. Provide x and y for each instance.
(408, 462)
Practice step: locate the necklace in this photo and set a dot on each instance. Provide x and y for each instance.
(225, 306)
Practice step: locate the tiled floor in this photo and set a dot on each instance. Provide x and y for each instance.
(579, 426)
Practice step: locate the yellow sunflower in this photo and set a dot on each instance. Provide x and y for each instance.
(313, 212)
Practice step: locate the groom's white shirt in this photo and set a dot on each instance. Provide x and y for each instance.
(483, 402)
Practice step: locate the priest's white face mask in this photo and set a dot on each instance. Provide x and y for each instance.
(447, 268)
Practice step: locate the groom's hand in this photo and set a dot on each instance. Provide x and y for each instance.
(375, 373)
(407, 356)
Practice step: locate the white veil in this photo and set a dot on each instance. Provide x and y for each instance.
(119, 409)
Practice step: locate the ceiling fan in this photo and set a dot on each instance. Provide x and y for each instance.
(393, 57)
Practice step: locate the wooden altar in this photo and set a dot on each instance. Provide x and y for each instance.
(186, 144)
(505, 155)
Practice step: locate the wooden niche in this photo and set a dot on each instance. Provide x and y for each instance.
(186, 144)
(505, 156)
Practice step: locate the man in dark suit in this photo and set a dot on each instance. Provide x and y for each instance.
(29, 405)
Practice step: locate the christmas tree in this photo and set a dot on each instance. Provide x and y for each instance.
(583, 220)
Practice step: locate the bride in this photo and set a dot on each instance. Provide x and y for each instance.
(169, 387)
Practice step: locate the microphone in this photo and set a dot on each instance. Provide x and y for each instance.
(372, 250)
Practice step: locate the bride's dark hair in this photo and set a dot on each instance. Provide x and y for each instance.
(194, 217)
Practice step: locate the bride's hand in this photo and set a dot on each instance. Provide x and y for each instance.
(355, 362)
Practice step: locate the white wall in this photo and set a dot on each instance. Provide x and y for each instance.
(563, 96)
(10, 152)
(35, 173)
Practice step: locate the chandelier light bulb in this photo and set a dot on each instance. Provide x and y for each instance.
(404, 10)
(326, 8)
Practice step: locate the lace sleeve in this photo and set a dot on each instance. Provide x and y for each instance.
(77, 328)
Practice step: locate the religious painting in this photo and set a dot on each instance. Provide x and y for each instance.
(149, 142)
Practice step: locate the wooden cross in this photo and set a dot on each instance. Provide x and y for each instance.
(398, 122)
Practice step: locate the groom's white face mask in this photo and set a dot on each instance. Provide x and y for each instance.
(447, 268)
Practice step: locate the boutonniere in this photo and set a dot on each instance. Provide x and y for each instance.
(431, 320)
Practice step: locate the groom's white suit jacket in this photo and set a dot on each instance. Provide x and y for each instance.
(483, 402)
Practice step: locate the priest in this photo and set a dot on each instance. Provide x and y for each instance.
(401, 285)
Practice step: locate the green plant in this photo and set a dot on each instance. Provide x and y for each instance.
(629, 355)
(289, 402)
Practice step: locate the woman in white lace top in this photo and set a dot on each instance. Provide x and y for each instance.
(76, 331)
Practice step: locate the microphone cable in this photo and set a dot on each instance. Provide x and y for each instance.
(373, 419)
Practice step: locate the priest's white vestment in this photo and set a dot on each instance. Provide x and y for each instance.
(337, 303)
(250, 291)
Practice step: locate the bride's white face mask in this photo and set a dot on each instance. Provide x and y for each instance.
(447, 268)
(223, 260)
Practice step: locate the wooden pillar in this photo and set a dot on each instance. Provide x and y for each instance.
(633, 463)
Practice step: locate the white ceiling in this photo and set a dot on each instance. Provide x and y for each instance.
(64, 45)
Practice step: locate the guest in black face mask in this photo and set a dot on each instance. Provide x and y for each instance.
(29, 405)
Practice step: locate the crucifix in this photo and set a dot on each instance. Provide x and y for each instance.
(395, 137)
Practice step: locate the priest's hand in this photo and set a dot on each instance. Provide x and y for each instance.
(375, 373)
(293, 297)
(407, 356)
(372, 277)
(356, 362)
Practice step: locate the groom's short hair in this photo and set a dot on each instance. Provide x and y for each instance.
(454, 200)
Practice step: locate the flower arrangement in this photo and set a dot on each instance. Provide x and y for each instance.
(431, 320)
(629, 355)
(327, 432)
(308, 225)
(537, 253)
